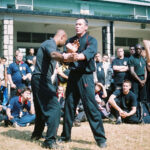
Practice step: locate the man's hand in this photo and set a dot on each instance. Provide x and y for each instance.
(1, 107)
(73, 47)
(10, 117)
(13, 86)
(124, 114)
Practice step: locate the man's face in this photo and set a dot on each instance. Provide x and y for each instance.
(138, 50)
(98, 58)
(31, 51)
(62, 40)
(105, 58)
(81, 27)
(19, 57)
(126, 87)
(3, 61)
(120, 52)
(26, 95)
(132, 50)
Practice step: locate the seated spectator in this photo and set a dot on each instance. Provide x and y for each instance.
(100, 94)
(60, 95)
(20, 110)
(80, 115)
(124, 102)
(62, 75)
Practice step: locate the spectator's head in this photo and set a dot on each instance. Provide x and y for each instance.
(132, 50)
(126, 86)
(25, 94)
(19, 57)
(60, 91)
(81, 26)
(120, 53)
(60, 37)
(138, 49)
(17, 52)
(105, 58)
(143, 53)
(98, 57)
(3, 60)
(31, 51)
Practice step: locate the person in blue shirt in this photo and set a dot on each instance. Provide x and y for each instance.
(20, 110)
(81, 85)
(19, 74)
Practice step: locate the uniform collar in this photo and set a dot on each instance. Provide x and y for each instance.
(18, 63)
(20, 101)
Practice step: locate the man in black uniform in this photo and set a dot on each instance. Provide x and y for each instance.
(120, 68)
(125, 102)
(47, 107)
(137, 65)
(81, 85)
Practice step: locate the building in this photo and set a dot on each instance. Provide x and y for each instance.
(114, 23)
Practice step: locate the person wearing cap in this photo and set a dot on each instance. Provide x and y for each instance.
(138, 71)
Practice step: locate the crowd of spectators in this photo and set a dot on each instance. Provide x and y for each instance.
(121, 83)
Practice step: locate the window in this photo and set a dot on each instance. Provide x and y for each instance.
(123, 41)
(33, 37)
(23, 37)
(38, 37)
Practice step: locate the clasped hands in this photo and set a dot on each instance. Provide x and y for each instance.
(123, 114)
(71, 55)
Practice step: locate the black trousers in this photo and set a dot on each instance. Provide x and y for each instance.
(81, 86)
(47, 107)
(139, 91)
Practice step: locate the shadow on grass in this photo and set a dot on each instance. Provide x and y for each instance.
(20, 135)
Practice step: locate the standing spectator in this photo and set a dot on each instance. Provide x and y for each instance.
(81, 84)
(19, 74)
(30, 57)
(3, 83)
(16, 53)
(137, 65)
(46, 103)
(147, 49)
(124, 102)
(132, 50)
(120, 68)
(108, 71)
(20, 110)
(99, 68)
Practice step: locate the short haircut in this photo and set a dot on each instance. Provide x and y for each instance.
(22, 90)
(85, 20)
(3, 58)
(127, 81)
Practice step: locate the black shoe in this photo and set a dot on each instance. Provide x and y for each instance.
(63, 140)
(53, 145)
(77, 124)
(35, 138)
(102, 145)
(119, 121)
